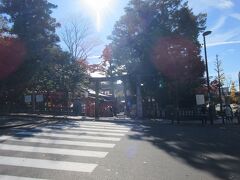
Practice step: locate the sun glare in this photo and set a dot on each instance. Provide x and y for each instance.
(99, 7)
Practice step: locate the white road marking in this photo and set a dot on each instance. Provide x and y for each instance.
(59, 142)
(90, 129)
(78, 132)
(105, 127)
(101, 123)
(70, 152)
(98, 122)
(47, 164)
(94, 126)
(68, 136)
(5, 177)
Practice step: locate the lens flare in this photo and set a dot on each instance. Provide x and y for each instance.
(12, 56)
(99, 8)
(98, 5)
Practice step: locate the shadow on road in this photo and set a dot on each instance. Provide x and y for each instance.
(215, 150)
(55, 127)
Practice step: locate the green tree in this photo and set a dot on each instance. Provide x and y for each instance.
(159, 39)
(33, 25)
(61, 74)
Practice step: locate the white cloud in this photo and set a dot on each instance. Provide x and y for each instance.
(231, 50)
(236, 16)
(222, 43)
(225, 4)
(223, 37)
(219, 23)
(204, 5)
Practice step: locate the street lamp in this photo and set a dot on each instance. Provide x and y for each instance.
(208, 84)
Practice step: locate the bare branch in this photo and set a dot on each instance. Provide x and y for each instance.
(218, 68)
(78, 38)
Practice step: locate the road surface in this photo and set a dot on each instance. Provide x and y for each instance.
(69, 150)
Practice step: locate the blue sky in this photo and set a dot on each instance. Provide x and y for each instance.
(223, 20)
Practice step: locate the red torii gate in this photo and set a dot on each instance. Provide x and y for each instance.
(97, 82)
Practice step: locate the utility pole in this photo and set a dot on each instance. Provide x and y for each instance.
(34, 101)
(114, 107)
(239, 81)
(208, 83)
(97, 88)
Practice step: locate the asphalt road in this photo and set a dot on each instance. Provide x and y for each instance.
(67, 150)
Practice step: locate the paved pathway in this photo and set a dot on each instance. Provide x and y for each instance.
(58, 147)
(117, 150)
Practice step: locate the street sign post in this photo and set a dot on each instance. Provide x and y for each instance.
(39, 98)
(200, 99)
(28, 99)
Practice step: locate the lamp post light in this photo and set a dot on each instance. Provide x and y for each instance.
(208, 83)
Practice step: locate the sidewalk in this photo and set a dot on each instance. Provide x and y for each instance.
(13, 121)
(21, 119)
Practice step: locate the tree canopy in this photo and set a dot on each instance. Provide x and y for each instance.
(160, 38)
(31, 58)
(33, 26)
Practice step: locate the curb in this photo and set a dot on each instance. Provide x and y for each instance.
(60, 119)
(19, 125)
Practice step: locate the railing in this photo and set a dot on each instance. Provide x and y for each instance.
(190, 114)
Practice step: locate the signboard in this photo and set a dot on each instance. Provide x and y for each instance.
(39, 98)
(28, 99)
(200, 99)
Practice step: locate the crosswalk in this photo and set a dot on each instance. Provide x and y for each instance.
(72, 141)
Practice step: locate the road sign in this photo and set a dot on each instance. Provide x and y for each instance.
(39, 98)
(28, 99)
(200, 99)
